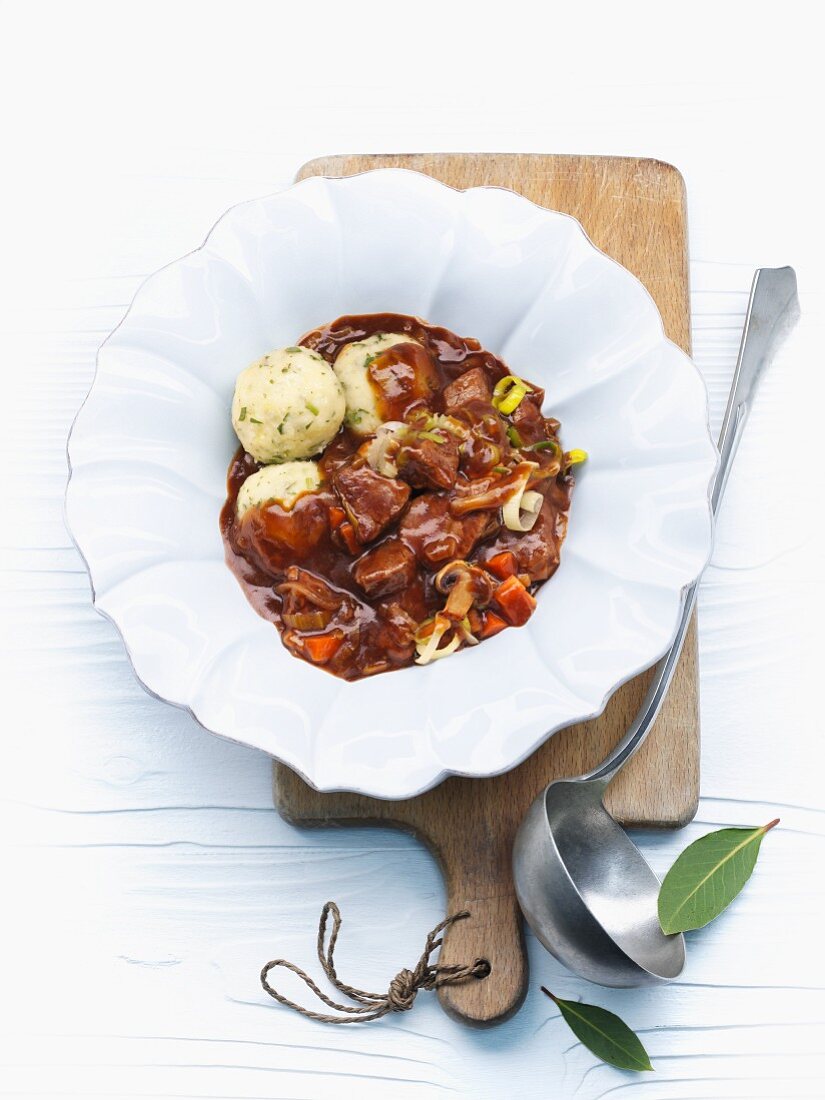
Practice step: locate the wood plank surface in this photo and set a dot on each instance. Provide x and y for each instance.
(634, 210)
(144, 855)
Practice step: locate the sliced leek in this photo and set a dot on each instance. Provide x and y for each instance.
(509, 393)
(521, 509)
(514, 437)
(449, 424)
(426, 421)
(377, 450)
(427, 648)
(465, 630)
(429, 653)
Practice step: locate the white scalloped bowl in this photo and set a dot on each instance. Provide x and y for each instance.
(150, 449)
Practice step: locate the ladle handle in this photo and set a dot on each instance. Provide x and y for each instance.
(772, 308)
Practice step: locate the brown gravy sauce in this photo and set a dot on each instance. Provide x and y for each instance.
(374, 633)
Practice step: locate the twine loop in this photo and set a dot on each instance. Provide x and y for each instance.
(402, 991)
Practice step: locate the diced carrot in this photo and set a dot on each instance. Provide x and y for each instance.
(336, 516)
(347, 533)
(476, 620)
(322, 647)
(502, 565)
(492, 625)
(515, 601)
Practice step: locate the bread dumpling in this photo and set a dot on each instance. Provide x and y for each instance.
(280, 483)
(287, 405)
(363, 417)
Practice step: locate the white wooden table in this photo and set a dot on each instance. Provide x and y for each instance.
(146, 877)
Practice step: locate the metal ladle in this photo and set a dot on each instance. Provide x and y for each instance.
(584, 887)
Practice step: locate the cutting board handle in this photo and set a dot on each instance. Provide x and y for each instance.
(492, 932)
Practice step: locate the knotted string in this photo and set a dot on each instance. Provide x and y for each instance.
(372, 1006)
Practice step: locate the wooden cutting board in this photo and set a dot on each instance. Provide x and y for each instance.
(635, 211)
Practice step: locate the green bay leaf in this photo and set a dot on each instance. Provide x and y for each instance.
(603, 1033)
(707, 876)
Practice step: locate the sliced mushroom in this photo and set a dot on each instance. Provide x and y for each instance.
(465, 586)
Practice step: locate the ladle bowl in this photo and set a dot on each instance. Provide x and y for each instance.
(587, 892)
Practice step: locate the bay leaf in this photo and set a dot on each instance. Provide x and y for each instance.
(603, 1033)
(707, 876)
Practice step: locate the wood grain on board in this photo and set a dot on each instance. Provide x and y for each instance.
(634, 210)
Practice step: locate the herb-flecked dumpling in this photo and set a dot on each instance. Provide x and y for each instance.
(287, 405)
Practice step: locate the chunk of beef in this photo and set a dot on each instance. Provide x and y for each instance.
(471, 387)
(395, 631)
(386, 568)
(436, 536)
(426, 462)
(486, 446)
(527, 418)
(536, 551)
(370, 500)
